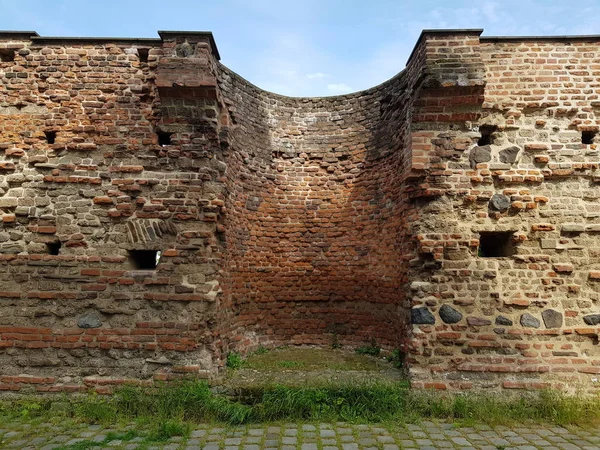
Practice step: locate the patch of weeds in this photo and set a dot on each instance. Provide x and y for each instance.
(96, 409)
(25, 408)
(291, 364)
(372, 350)
(168, 409)
(397, 358)
(345, 403)
(165, 430)
(335, 341)
(261, 350)
(234, 360)
(30, 409)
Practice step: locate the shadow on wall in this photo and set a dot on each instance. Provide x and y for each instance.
(318, 243)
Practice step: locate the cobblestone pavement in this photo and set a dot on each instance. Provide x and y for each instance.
(425, 435)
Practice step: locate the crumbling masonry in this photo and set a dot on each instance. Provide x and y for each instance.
(451, 212)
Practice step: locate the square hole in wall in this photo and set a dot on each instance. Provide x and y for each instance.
(50, 136)
(487, 132)
(143, 54)
(53, 247)
(144, 259)
(164, 138)
(7, 55)
(495, 244)
(587, 137)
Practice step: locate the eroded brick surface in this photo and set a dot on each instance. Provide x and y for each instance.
(465, 189)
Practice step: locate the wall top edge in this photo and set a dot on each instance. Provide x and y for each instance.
(442, 31)
(170, 34)
(5, 34)
(93, 39)
(566, 38)
(164, 35)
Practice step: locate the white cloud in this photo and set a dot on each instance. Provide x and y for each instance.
(316, 75)
(339, 88)
(308, 55)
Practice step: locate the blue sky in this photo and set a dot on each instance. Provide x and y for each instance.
(304, 47)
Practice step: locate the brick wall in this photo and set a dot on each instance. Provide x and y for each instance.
(281, 220)
(105, 186)
(315, 219)
(527, 320)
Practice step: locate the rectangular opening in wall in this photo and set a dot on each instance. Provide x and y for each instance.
(53, 247)
(495, 244)
(144, 259)
(587, 137)
(7, 55)
(487, 132)
(50, 136)
(143, 54)
(164, 138)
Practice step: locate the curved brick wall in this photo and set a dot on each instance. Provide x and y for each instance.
(316, 217)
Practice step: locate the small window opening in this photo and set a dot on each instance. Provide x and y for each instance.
(53, 247)
(50, 136)
(144, 259)
(7, 55)
(164, 138)
(486, 134)
(143, 54)
(496, 244)
(587, 137)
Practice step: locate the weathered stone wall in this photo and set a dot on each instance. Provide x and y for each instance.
(105, 186)
(529, 319)
(282, 220)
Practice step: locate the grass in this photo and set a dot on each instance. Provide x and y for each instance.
(291, 364)
(372, 350)
(169, 409)
(312, 359)
(234, 360)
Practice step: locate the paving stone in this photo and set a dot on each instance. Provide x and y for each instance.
(350, 446)
(309, 447)
(347, 437)
(198, 433)
(256, 432)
